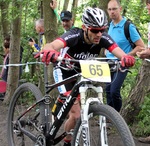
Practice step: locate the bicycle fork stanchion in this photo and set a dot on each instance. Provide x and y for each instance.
(85, 109)
(102, 126)
(102, 122)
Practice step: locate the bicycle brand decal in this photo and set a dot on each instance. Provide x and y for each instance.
(95, 70)
(52, 130)
(63, 107)
(84, 136)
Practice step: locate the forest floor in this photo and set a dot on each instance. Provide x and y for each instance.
(3, 128)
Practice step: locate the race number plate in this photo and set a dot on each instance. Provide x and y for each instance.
(95, 70)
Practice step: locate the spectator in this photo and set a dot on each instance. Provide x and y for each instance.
(53, 5)
(65, 17)
(7, 40)
(81, 44)
(4, 71)
(67, 24)
(116, 31)
(39, 27)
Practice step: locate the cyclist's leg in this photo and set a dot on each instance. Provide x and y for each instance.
(74, 114)
(60, 75)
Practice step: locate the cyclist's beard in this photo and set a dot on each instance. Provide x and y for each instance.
(92, 40)
(86, 33)
(66, 27)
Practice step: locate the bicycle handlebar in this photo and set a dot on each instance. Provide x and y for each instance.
(110, 61)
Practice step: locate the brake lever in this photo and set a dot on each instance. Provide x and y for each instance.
(125, 70)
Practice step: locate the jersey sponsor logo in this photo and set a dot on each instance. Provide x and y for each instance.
(84, 136)
(72, 36)
(84, 56)
(108, 39)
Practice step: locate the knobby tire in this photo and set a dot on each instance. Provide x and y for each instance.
(24, 96)
(117, 129)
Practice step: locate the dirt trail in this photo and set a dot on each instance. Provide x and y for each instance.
(3, 127)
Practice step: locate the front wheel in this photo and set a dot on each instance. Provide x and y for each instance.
(24, 125)
(106, 128)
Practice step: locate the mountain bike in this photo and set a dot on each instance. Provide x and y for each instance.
(30, 118)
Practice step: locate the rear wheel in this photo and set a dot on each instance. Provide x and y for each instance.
(26, 130)
(114, 132)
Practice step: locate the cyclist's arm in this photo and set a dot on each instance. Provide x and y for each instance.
(55, 45)
(118, 52)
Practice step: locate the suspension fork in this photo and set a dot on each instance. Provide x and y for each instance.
(85, 109)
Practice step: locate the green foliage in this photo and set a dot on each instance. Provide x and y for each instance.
(143, 126)
(130, 80)
(136, 11)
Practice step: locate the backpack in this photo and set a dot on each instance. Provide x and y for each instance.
(127, 34)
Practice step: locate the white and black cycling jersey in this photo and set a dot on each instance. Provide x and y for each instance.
(77, 48)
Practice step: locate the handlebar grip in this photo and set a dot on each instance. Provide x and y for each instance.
(58, 59)
(35, 53)
(41, 55)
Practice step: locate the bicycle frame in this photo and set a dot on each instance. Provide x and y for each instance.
(52, 129)
(93, 111)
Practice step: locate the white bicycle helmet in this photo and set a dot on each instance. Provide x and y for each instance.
(94, 17)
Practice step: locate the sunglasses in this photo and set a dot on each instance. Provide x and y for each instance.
(94, 30)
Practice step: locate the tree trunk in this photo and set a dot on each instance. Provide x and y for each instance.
(66, 3)
(4, 18)
(74, 8)
(103, 5)
(50, 26)
(13, 73)
(131, 107)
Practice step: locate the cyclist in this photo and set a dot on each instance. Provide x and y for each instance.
(81, 43)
